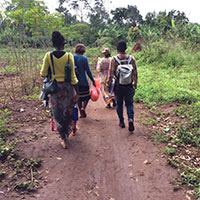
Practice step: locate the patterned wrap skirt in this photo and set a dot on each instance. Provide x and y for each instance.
(62, 108)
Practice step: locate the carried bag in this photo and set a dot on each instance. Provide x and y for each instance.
(68, 72)
(94, 94)
(51, 86)
(124, 72)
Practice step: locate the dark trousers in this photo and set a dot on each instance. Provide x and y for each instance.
(125, 94)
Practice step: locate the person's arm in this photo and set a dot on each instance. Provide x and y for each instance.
(45, 65)
(76, 88)
(74, 79)
(99, 65)
(88, 71)
(135, 74)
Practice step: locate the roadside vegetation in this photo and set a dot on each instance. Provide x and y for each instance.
(16, 172)
(169, 85)
(168, 66)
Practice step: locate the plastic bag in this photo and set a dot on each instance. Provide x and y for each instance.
(97, 82)
(94, 94)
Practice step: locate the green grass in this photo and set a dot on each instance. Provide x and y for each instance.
(162, 80)
(160, 137)
(4, 130)
(33, 96)
(170, 150)
(26, 186)
(158, 86)
(189, 132)
(170, 73)
(5, 53)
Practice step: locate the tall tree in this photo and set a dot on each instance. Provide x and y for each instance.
(80, 8)
(178, 17)
(98, 19)
(68, 17)
(98, 14)
(31, 22)
(129, 16)
(150, 18)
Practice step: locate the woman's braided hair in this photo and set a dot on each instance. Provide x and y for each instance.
(57, 39)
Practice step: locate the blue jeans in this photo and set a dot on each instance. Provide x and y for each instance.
(125, 95)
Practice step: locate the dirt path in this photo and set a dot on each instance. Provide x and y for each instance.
(104, 162)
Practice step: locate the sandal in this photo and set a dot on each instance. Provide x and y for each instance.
(83, 113)
(108, 106)
(114, 103)
(65, 143)
(74, 131)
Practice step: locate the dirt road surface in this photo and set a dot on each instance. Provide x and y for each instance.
(104, 162)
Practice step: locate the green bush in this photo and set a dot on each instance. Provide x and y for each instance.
(4, 130)
(169, 151)
(93, 52)
(167, 73)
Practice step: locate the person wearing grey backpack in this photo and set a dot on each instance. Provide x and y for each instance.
(124, 70)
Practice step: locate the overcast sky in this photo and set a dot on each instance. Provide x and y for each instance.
(190, 7)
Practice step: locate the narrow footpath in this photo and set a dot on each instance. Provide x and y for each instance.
(104, 162)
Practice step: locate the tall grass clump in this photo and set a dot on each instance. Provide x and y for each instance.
(168, 73)
(4, 130)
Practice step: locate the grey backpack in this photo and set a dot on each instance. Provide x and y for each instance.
(124, 71)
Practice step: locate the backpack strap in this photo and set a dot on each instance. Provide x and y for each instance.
(67, 58)
(117, 59)
(129, 59)
(125, 60)
(68, 70)
(51, 56)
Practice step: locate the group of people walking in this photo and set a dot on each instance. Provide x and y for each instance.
(115, 87)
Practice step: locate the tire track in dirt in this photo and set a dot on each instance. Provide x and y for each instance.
(104, 162)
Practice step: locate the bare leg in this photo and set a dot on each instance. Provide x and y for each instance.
(85, 104)
(82, 111)
(79, 105)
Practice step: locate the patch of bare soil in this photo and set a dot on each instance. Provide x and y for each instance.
(104, 162)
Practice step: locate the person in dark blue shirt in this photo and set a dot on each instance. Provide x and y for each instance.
(82, 70)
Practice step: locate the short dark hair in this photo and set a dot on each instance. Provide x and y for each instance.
(80, 49)
(121, 46)
(57, 39)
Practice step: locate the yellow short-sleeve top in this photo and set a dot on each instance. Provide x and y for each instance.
(59, 65)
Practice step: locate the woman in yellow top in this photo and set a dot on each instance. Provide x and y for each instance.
(63, 101)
